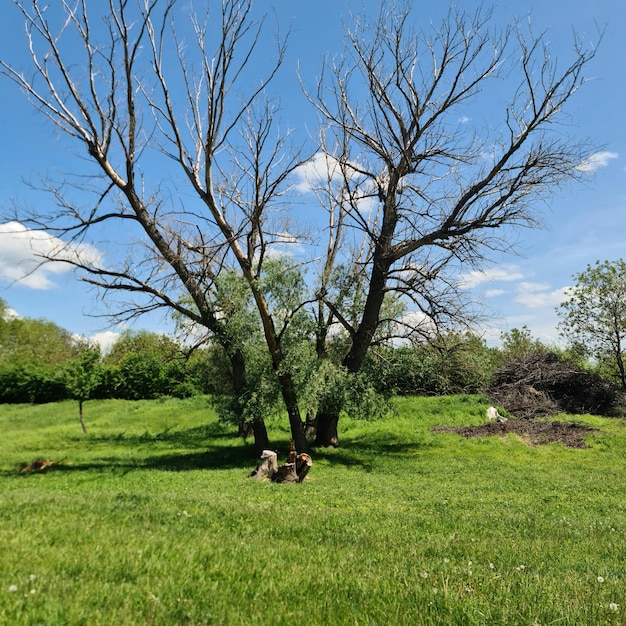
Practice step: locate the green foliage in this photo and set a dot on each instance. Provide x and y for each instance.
(130, 342)
(81, 375)
(454, 363)
(142, 375)
(35, 340)
(400, 525)
(593, 318)
(519, 343)
(31, 382)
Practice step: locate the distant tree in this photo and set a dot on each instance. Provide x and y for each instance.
(82, 378)
(24, 339)
(519, 343)
(133, 342)
(593, 318)
(31, 382)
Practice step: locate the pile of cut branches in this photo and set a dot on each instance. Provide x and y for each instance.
(542, 385)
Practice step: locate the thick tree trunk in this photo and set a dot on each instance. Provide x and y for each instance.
(328, 420)
(327, 436)
(293, 411)
(261, 439)
(310, 425)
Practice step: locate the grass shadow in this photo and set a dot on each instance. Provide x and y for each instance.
(198, 437)
(208, 457)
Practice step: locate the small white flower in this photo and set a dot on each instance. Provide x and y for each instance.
(424, 574)
(32, 576)
(492, 566)
(600, 579)
(33, 591)
(446, 560)
(12, 588)
(613, 607)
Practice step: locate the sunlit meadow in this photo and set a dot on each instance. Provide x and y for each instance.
(151, 519)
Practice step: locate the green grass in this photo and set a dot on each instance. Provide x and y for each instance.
(150, 519)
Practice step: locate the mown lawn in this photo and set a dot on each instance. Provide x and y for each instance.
(151, 519)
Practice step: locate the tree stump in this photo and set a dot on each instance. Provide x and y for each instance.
(291, 472)
(303, 465)
(267, 467)
(286, 474)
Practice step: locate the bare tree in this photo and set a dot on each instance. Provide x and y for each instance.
(430, 190)
(188, 156)
(126, 85)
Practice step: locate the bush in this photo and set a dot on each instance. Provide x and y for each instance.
(32, 382)
(184, 390)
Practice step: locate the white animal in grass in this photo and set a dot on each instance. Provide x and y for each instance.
(494, 416)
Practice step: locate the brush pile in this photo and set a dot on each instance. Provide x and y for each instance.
(543, 385)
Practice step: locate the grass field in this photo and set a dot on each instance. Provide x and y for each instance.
(150, 519)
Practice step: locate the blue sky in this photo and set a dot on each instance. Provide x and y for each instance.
(582, 223)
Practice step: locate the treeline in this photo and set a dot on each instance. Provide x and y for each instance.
(41, 362)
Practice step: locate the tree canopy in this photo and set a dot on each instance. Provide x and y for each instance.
(593, 318)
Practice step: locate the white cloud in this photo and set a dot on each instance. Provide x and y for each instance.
(536, 297)
(478, 277)
(494, 293)
(529, 287)
(595, 161)
(22, 253)
(464, 119)
(105, 339)
(316, 171)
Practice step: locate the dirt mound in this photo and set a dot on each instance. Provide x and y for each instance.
(535, 432)
(543, 385)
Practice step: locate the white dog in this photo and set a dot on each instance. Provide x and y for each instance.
(494, 416)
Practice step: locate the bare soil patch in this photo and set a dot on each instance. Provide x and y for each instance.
(535, 432)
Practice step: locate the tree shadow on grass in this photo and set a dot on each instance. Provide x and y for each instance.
(196, 448)
(366, 453)
(212, 458)
(189, 438)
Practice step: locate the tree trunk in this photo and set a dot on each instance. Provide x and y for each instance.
(240, 389)
(310, 425)
(293, 411)
(261, 439)
(80, 416)
(327, 422)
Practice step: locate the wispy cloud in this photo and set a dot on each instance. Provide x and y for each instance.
(478, 277)
(538, 296)
(596, 161)
(494, 293)
(22, 252)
